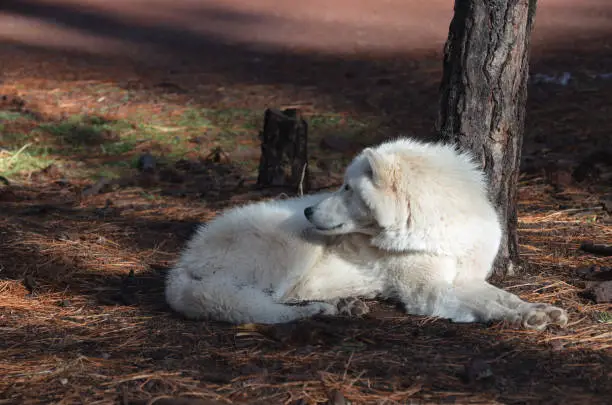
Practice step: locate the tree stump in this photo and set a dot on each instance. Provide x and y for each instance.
(284, 151)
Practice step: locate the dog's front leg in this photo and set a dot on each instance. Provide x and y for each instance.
(333, 281)
(426, 287)
(495, 304)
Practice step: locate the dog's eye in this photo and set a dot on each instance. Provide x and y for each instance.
(347, 188)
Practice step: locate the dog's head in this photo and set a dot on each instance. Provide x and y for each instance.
(372, 201)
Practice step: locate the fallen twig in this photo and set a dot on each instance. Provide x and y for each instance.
(301, 184)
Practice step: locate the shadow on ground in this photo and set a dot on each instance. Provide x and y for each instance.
(91, 332)
(73, 307)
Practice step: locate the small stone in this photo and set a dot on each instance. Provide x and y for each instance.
(146, 163)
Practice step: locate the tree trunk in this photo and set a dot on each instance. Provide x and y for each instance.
(284, 151)
(483, 95)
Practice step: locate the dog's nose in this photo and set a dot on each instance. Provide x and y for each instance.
(308, 212)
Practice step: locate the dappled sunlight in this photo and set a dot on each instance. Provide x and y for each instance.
(88, 87)
(394, 27)
(23, 30)
(339, 26)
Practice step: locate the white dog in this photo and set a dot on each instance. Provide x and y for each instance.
(411, 222)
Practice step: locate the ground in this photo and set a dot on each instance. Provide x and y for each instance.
(85, 237)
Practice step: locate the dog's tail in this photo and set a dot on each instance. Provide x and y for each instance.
(219, 299)
(186, 295)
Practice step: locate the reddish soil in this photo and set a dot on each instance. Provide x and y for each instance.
(77, 328)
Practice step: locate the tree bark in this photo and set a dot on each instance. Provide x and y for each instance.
(284, 151)
(483, 96)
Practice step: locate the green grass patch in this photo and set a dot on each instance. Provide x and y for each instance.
(21, 162)
(9, 116)
(112, 143)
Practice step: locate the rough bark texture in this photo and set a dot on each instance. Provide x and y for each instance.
(284, 151)
(483, 97)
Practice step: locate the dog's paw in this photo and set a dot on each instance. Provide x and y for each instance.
(321, 308)
(538, 316)
(352, 307)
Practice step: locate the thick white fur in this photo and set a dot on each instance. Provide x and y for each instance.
(412, 222)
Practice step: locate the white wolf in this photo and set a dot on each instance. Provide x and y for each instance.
(412, 222)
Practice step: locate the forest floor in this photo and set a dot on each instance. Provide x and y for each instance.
(85, 237)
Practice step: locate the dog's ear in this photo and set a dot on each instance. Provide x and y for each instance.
(378, 166)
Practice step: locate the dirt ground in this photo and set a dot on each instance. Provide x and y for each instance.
(87, 87)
